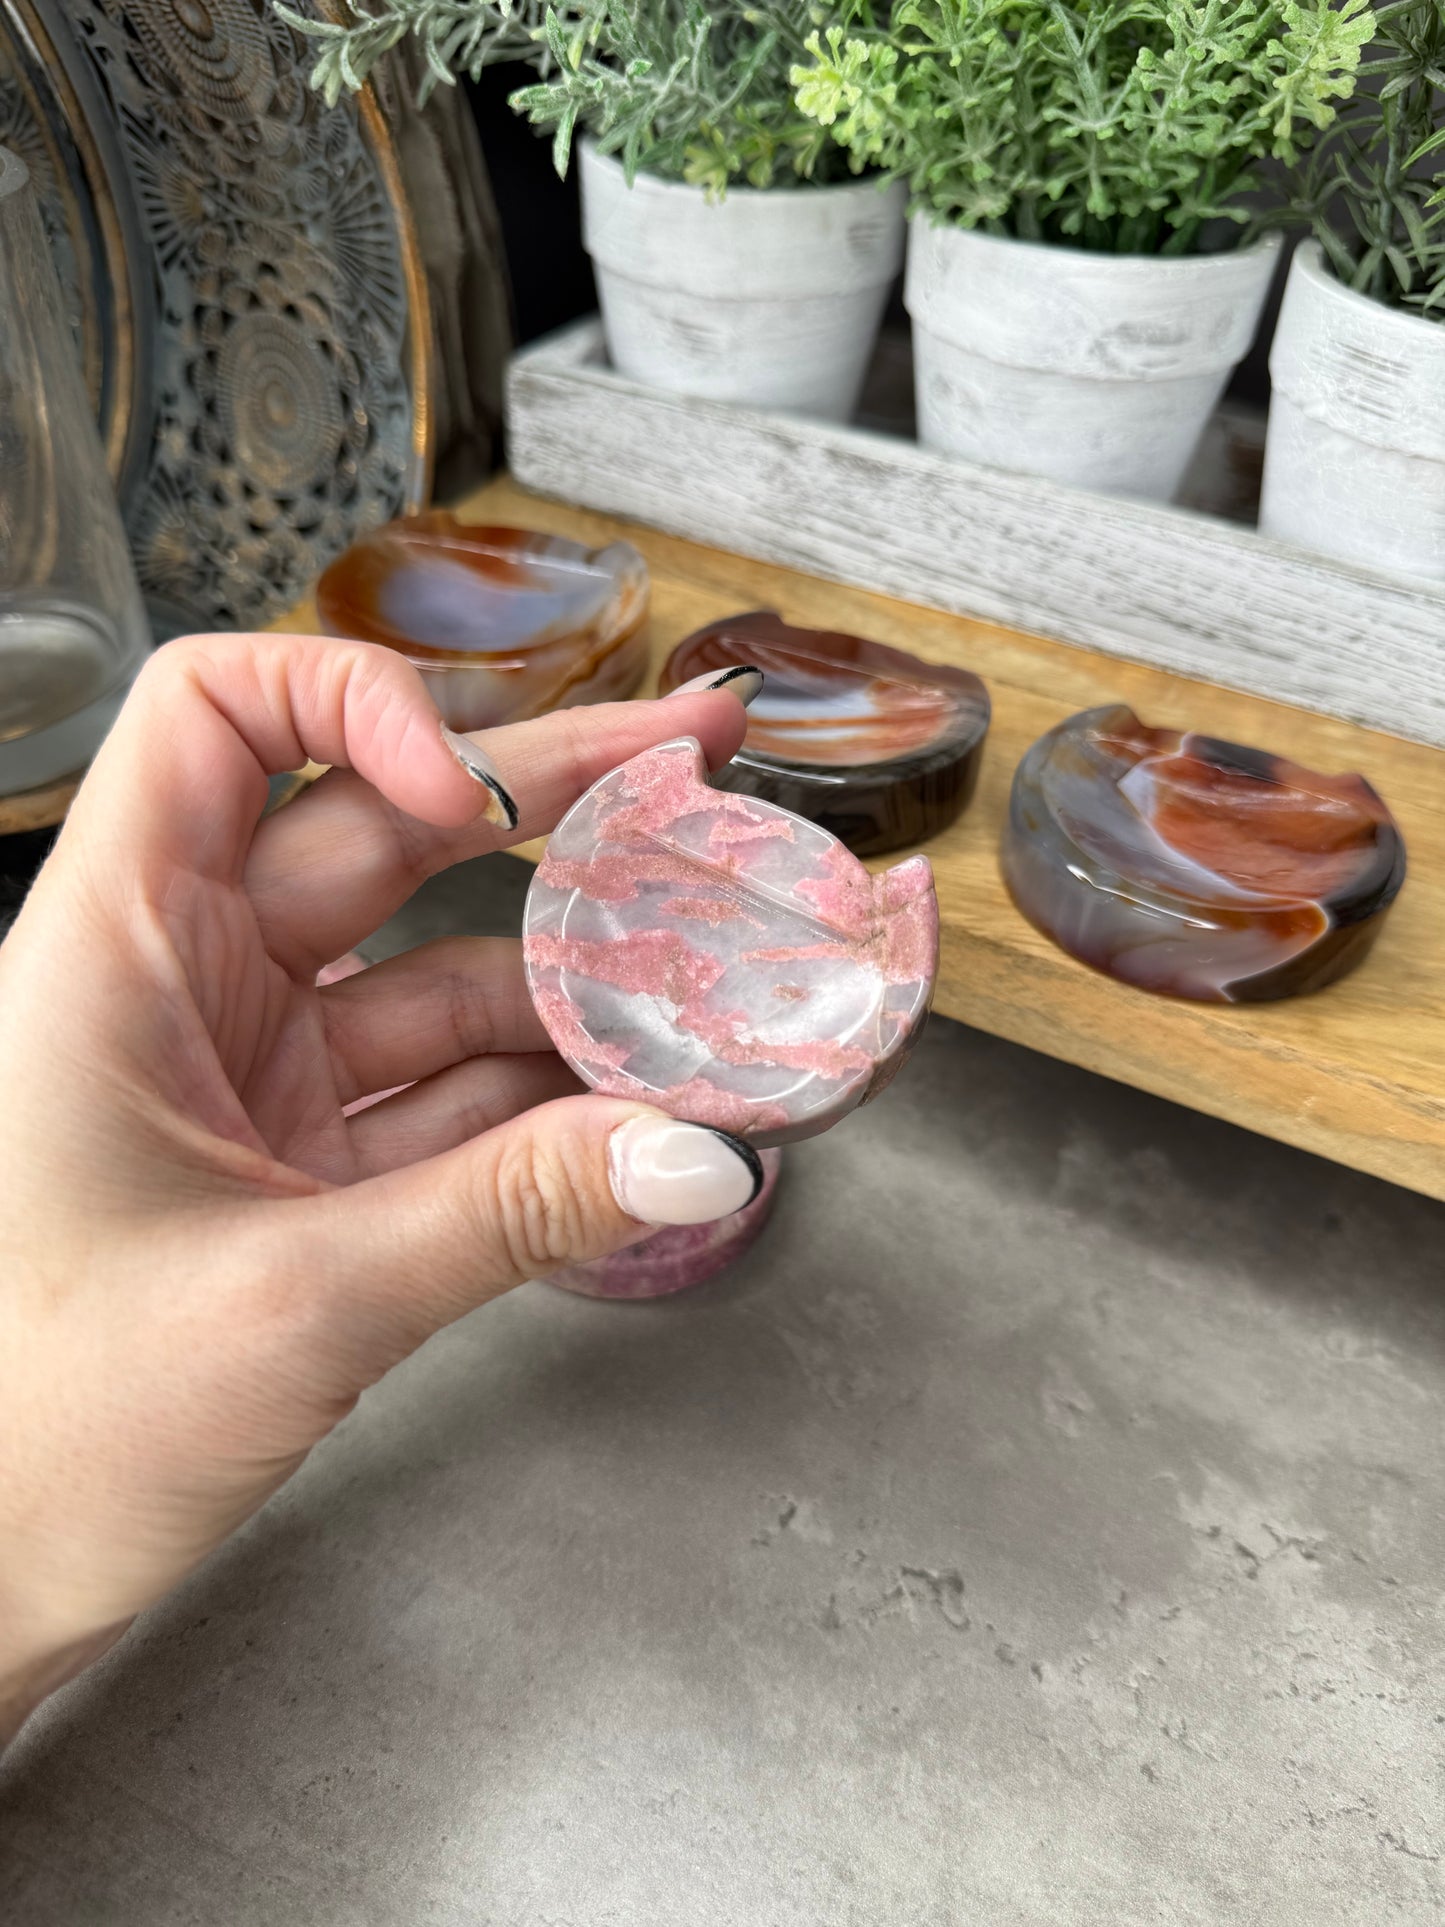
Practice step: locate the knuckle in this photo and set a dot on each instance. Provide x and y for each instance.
(185, 668)
(461, 979)
(418, 852)
(572, 752)
(176, 663)
(372, 678)
(544, 1208)
(467, 1020)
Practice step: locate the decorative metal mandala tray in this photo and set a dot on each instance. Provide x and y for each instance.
(245, 283)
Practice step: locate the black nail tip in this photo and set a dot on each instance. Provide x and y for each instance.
(478, 765)
(513, 814)
(731, 675)
(749, 1157)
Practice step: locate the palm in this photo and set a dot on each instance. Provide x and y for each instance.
(277, 1073)
(292, 1092)
(242, 1050)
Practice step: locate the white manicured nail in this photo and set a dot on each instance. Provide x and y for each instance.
(666, 1172)
(744, 681)
(500, 808)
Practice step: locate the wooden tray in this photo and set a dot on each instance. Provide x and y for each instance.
(40, 809)
(1194, 593)
(1356, 1073)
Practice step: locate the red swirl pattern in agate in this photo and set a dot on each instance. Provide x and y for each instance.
(876, 745)
(1196, 867)
(503, 623)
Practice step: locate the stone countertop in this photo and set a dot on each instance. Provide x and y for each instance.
(1041, 1526)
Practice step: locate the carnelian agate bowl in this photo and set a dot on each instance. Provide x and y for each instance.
(503, 623)
(1195, 867)
(880, 748)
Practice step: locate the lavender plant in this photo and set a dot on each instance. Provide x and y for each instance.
(694, 90)
(1124, 126)
(1373, 190)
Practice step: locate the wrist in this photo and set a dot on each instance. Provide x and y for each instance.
(50, 1604)
(44, 1641)
(28, 1676)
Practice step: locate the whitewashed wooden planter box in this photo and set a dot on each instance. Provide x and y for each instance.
(1186, 591)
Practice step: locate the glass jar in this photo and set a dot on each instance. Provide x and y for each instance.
(73, 629)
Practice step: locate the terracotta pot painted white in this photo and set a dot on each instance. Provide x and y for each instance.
(769, 297)
(1100, 370)
(1354, 460)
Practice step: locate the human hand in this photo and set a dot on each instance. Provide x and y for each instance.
(203, 1260)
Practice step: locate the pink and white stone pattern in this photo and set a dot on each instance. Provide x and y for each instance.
(718, 957)
(679, 1255)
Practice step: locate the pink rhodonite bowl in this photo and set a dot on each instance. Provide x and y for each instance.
(721, 958)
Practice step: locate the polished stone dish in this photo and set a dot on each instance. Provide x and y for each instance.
(679, 1255)
(878, 747)
(502, 622)
(1195, 867)
(724, 960)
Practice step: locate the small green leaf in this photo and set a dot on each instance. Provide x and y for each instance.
(303, 23)
(562, 139)
(1120, 125)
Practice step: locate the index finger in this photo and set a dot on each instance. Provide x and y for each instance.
(327, 870)
(181, 782)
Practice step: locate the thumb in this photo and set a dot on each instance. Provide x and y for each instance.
(564, 1183)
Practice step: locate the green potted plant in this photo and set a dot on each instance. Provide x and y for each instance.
(1072, 164)
(737, 257)
(1355, 454)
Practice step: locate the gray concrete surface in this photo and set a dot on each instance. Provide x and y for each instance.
(1043, 1526)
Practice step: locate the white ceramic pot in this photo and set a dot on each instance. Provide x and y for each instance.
(1096, 369)
(1354, 461)
(768, 297)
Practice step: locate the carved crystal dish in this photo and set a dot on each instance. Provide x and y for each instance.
(1195, 867)
(503, 623)
(722, 959)
(876, 746)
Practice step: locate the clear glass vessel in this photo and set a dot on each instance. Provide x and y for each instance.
(73, 630)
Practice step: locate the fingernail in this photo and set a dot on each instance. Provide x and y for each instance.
(500, 808)
(667, 1172)
(744, 681)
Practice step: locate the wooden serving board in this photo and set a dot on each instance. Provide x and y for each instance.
(1356, 1073)
(38, 809)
